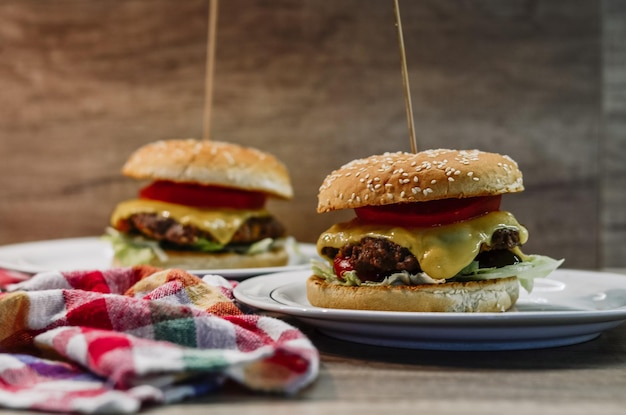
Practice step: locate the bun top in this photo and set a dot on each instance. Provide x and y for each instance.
(210, 163)
(418, 177)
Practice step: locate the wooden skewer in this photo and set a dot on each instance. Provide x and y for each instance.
(210, 68)
(405, 81)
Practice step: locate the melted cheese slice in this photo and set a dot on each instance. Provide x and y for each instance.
(442, 251)
(221, 223)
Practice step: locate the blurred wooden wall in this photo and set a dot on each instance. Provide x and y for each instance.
(83, 83)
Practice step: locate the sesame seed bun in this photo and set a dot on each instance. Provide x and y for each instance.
(210, 163)
(496, 295)
(418, 177)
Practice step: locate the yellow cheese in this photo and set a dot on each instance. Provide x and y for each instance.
(442, 251)
(221, 223)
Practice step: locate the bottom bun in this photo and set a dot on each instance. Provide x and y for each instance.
(206, 261)
(494, 295)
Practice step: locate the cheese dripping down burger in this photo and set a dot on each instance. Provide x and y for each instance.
(204, 207)
(428, 235)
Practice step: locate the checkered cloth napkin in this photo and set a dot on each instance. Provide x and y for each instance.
(116, 340)
(8, 276)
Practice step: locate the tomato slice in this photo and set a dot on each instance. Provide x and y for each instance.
(341, 265)
(431, 213)
(200, 196)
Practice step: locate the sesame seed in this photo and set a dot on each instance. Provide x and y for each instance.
(377, 186)
(433, 181)
(402, 194)
(415, 179)
(229, 158)
(450, 179)
(476, 179)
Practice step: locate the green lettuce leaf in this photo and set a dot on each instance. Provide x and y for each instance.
(325, 271)
(136, 249)
(133, 250)
(205, 245)
(261, 246)
(532, 267)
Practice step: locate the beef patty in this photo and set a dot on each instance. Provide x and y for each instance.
(172, 232)
(373, 259)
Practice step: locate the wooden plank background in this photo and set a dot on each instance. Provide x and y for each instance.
(613, 157)
(84, 82)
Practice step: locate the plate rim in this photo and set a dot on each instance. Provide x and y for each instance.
(492, 319)
(32, 268)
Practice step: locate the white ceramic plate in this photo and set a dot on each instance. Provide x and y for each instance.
(58, 254)
(566, 308)
(94, 253)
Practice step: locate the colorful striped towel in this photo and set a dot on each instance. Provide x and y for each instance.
(119, 339)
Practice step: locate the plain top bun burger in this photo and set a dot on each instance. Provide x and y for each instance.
(204, 207)
(428, 235)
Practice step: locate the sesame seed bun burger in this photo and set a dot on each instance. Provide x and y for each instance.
(204, 207)
(428, 236)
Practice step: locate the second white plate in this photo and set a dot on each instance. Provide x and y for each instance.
(94, 253)
(568, 307)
